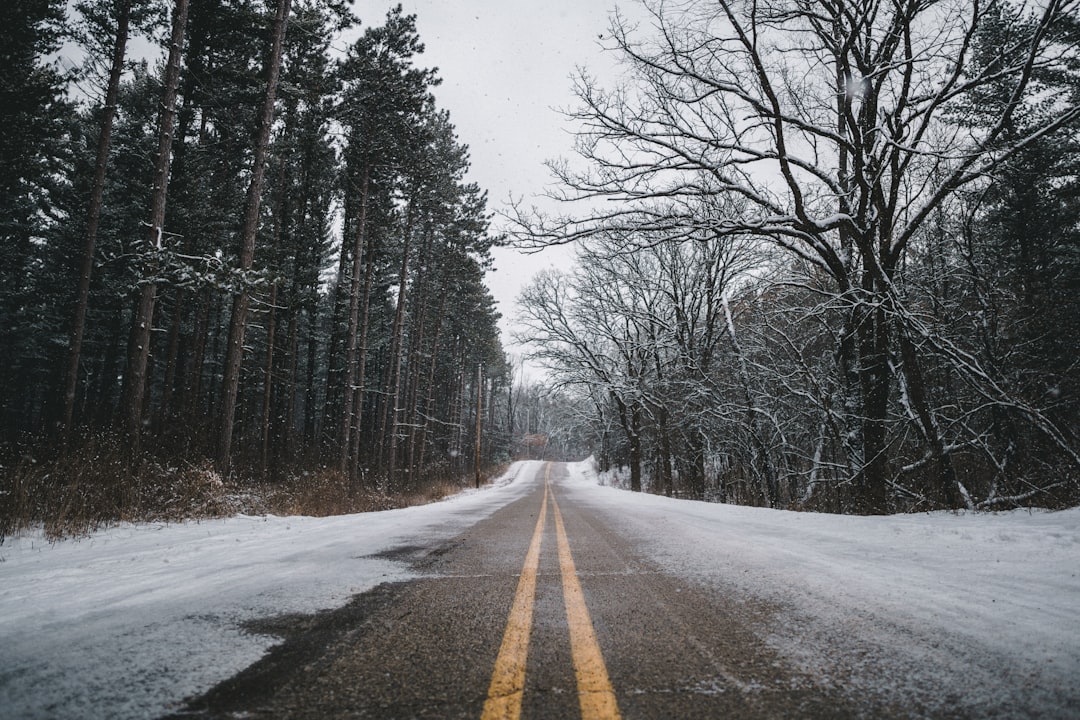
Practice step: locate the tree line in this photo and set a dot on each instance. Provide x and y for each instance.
(830, 254)
(252, 244)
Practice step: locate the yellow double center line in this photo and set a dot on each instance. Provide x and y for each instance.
(595, 694)
(508, 680)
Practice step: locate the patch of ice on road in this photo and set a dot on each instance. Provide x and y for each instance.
(128, 622)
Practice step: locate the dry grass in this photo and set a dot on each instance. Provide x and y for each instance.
(97, 484)
(320, 494)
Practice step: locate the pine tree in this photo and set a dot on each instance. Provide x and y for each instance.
(113, 18)
(32, 112)
(135, 375)
(234, 354)
(383, 95)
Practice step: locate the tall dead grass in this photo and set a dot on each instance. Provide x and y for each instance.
(97, 484)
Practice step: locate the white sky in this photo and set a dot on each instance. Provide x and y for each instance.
(506, 67)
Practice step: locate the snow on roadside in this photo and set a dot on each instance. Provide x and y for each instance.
(972, 612)
(967, 614)
(130, 621)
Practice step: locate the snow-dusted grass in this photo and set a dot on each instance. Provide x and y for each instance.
(128, 622)
(972, 613)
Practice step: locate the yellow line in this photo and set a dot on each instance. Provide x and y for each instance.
(508, 679)
(595, 694)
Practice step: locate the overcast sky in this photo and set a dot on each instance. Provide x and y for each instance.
(506, 67)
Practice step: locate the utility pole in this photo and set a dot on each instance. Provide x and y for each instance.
(479, 415)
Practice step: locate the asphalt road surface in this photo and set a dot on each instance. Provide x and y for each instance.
(543, 610)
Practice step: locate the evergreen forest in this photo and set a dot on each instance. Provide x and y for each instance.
(238, 245)
(828, 258)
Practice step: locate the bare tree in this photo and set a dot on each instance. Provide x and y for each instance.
(835, 124)
(639, 331)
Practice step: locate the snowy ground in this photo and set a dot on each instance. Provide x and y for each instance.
(127, 623)
(950, 614)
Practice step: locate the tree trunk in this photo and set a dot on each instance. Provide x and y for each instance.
(872, 478)
(172, 354)
(292, 349)
(237, 326)
(139, 344)
(634, 439)
(78, 324)
(193, 382)
(630, 419)
(268, 382)
(429, 410)
(330, 385)
(479, 415)
(361, 371)
(393, 390)
(349, 423)
(311, 411)
(666, 480)
(416, 344)
(106, 396)
(698, 464)
(457, 408)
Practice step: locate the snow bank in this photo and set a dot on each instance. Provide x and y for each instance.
(128, 622)
(979, 614)
(936, 602)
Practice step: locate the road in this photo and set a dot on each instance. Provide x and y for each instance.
(542, 610)
(567, 600)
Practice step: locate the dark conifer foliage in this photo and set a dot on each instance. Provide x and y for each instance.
(33, 113)
(360, 268)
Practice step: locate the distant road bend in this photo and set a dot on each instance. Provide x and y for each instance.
(545, 609)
